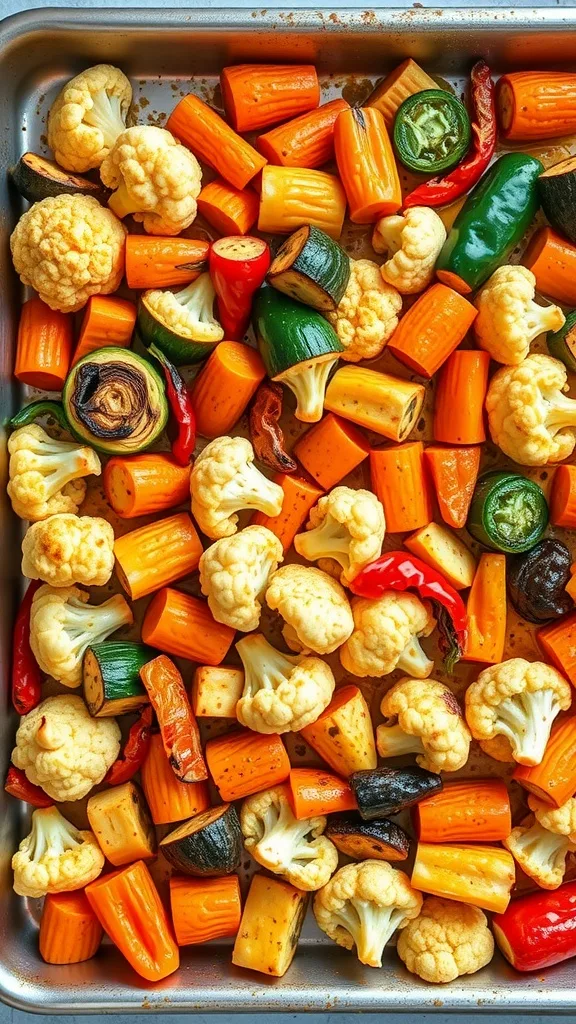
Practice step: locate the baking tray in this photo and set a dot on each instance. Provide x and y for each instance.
(168, 53)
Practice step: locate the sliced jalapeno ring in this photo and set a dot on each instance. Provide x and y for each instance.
(431, 131)
(508, 512)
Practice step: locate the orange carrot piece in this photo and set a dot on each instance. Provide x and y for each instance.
(558, 643)
(127, 904)
(215, 142)
(258, 95)
(70, 932)
(44, 346)
(107, 320)
(224, 387)
(331, 449)
(231, 211)
(454, 472)
(486, 611)
(536, 105)
(153, 262)
(563, 497)
(314, 791)
(554, 779)
(431, 329)
(465, 811)
(169, 799)
(400, 481)
(552, 260)
(183, 626)
(460, 394)
(152, 556)
(307, 141)
(343, 735)
(141, 484)
(178, 725)
(366, 164)
(299, 497)
(204, 908)
(244, 762)
(405, 80)
(481, 876)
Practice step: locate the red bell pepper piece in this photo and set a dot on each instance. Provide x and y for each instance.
(441, 191)
(238, 265)
(399, 571)
(539, 929)
(26, 675)
(181, 408)
(135, 750)
(19, 786)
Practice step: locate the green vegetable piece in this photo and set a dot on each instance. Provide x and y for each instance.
(311, 268)
(432, 131)
(111, 677)
(36, 410)
(562, 344)
(508, 512)
(557, 188)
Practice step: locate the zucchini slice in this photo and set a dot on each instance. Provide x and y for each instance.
(367, 840)
(210, 843)
(562, 344)
(180, 323)
(312, 268)
(111, 677)
(557, 189)
(37, 178)
(120, 820)
(383, 791)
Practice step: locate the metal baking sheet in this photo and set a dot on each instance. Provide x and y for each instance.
(168, 53)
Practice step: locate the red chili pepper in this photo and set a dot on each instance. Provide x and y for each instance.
(181, 408)
(18, 785)
(238, 266)
(399, 571)
(440, 191)
(539, 929)
(135, 750)
(265, 431)
(26, 675)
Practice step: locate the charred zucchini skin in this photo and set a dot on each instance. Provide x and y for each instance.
(311, 268)
(558, 197)
(289, 333)
(208, 844)
(37, 178)
(383, 791)
(180, 350)
(368, 840)
(562, 344)
(111, 677)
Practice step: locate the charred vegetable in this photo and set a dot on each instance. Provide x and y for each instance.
(537, 581)
(562, 344)
(368, 840)
(209, 844)
(557, 188)
(312, 268)
(265, 430)
(383, 791)
(37, 178)
(111, 677)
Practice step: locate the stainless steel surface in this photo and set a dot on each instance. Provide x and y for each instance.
(166, 54)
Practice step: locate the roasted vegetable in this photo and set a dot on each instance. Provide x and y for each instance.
(384, 791)
(312, 268)
(208, 844)
(271, 923)
(431, 131)
(36, 178)
(120, 820)
(508, 512)
(365, 840)
(111, 677)
(537, 580)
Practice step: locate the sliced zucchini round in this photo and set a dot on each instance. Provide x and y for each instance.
(367, 840)
(311, 268)
(210, 843)
(111, 677)
(562, 344)
(383, 791)
(37, 178)
(557, 189)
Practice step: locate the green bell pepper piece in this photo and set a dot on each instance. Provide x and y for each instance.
(508, 512)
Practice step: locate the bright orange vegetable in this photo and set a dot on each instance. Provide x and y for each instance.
(212, 140)
(169, 799)
(257, 95)
(431, 329)
(307, 141)
(366, 164)
(232, 211)
(204, 908)
(460, 394)
(293, 196)
(343, 735)
(552, 260)
(178, 725)
(224, 387)
(405, 80)
(152, 556)
(563, 497)
(558, 642)
(536, 105)
(44, 346)
(481, 876)
(153, 262)
(454, 472)
(400, 481)
(244, 762)
(330, 450)
(70, 932)
(141, 484)
(183, 626)
(554, 779)
(387, 405)
(128, 906)
(314, 791)
(299, 497)
(466, 811)
(486, 611)
(107, 320)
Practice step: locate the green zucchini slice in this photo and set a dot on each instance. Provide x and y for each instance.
(367, 840)
(37, 178)
(210, 843)
(180, 323)
(312, 268)
(562, 344)
(557, 189)
(432, 131)
(111, 677)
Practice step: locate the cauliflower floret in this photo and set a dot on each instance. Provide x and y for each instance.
(386, 635)
(345, 527)
(63, 625)
(188, 313)
(445, 941)
(367, 313)
(61, 748)
(529, 417)
(561, 820)
(66, 549)
(297, 850)
(281, 693)
(511, 707)
(363, 904)
(87, 117)
(55, 856)
(508, 318)
(68, 248)
(234, 574)
(156, 179)
(45, 475)
(425, 719)
(315, 608)
(540, 852)
(413, 240)
(225, 480)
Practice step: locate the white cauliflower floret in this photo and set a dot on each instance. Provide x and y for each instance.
(63, 625)
(156, 179)
(508, 318)
(561, 820)
(315, 608)
(511, 707)
(66, 549)
(281, 693)
(87, 117)
(413, 240)
(529, 417)
(234, 574)
(367, 314)
(445, 941)
(424, 718)
(386, 635)
(55, 856)
(45, 475)
(225, 480)
(68, 248)
(540, 852)
(189, 313)
(296, 850)
(363, 904)
(61, 748)
(345, 527)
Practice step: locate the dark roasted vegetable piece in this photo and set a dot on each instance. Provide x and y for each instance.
(383, 791)
(37, 178)
(367, 840)
(312, 268)
(210, 843)
(265, 430)
(537, 581)
(557, 188)
(111, 677)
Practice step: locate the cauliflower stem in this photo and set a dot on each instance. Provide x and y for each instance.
(541, 854)
(285, 839)
(106, 115)
(394, 742)
(50, 831)
(265, 668)
(370, 926)
(308, 381)
(525, 720)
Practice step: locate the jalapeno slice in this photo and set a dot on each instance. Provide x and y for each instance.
(508, 512)
(431, 131)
